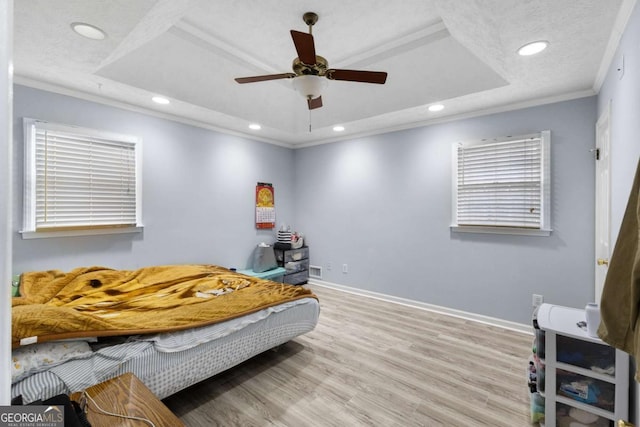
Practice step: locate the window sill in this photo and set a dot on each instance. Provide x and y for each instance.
(72, 233)
(500, 230)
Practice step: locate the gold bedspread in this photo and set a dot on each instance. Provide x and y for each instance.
(99, 301)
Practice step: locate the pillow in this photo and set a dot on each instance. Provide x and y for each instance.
(35, 358)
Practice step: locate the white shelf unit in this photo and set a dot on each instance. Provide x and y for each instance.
(564, 339)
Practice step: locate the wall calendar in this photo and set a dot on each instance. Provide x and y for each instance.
(265, 206)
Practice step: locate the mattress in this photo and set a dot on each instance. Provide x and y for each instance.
(168, 363)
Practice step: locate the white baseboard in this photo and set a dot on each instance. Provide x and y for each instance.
(493, 321)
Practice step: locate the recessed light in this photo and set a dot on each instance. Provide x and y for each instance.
(89, 31)
(338, 128)
(533, 48)
(436, 107)
(160, 100)
(255, 126)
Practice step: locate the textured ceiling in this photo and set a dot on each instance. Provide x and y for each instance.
(461, 53)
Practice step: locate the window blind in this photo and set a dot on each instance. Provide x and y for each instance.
(83, 181)
(502, 184)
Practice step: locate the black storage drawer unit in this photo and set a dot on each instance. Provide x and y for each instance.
(290, 255)
(297, 278)
(296, 264)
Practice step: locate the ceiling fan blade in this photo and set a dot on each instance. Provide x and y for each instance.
(304, 46)
(265, 78)
(378, 77)
(314, 103)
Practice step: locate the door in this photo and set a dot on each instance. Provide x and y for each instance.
(603, 200)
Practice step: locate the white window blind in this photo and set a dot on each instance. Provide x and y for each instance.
(79, 179)
(503, 185)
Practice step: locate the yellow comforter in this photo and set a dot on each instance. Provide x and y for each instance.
(98, 301)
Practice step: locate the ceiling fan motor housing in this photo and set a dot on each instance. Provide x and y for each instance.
(317, 69)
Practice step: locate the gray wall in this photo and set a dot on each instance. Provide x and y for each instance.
(382, 205)
(624, 96)
(198, 191)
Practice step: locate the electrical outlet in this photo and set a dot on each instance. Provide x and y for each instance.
(329, 266)
(345, 268)
(537, 300)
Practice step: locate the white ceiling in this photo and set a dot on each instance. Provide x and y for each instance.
(461, 53)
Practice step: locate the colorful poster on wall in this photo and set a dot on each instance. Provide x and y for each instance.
(265, 206)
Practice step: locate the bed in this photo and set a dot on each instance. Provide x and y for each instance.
(172, 326)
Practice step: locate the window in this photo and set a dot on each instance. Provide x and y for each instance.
(80, 181)
(502, 185)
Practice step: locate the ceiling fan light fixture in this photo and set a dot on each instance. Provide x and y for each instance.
(89, 31)
(310, 87)
(533, 48)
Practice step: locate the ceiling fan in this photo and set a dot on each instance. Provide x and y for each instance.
(309, 68)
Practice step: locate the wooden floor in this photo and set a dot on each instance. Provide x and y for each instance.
(372, 363)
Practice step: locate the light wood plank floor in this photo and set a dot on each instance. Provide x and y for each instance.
(372, 363)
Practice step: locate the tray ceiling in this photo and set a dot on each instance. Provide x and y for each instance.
(460, 53)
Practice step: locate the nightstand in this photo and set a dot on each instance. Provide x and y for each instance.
(126, 395)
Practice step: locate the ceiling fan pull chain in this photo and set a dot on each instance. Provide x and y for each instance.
(309, 121)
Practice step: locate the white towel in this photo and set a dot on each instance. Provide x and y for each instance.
(582, 417)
